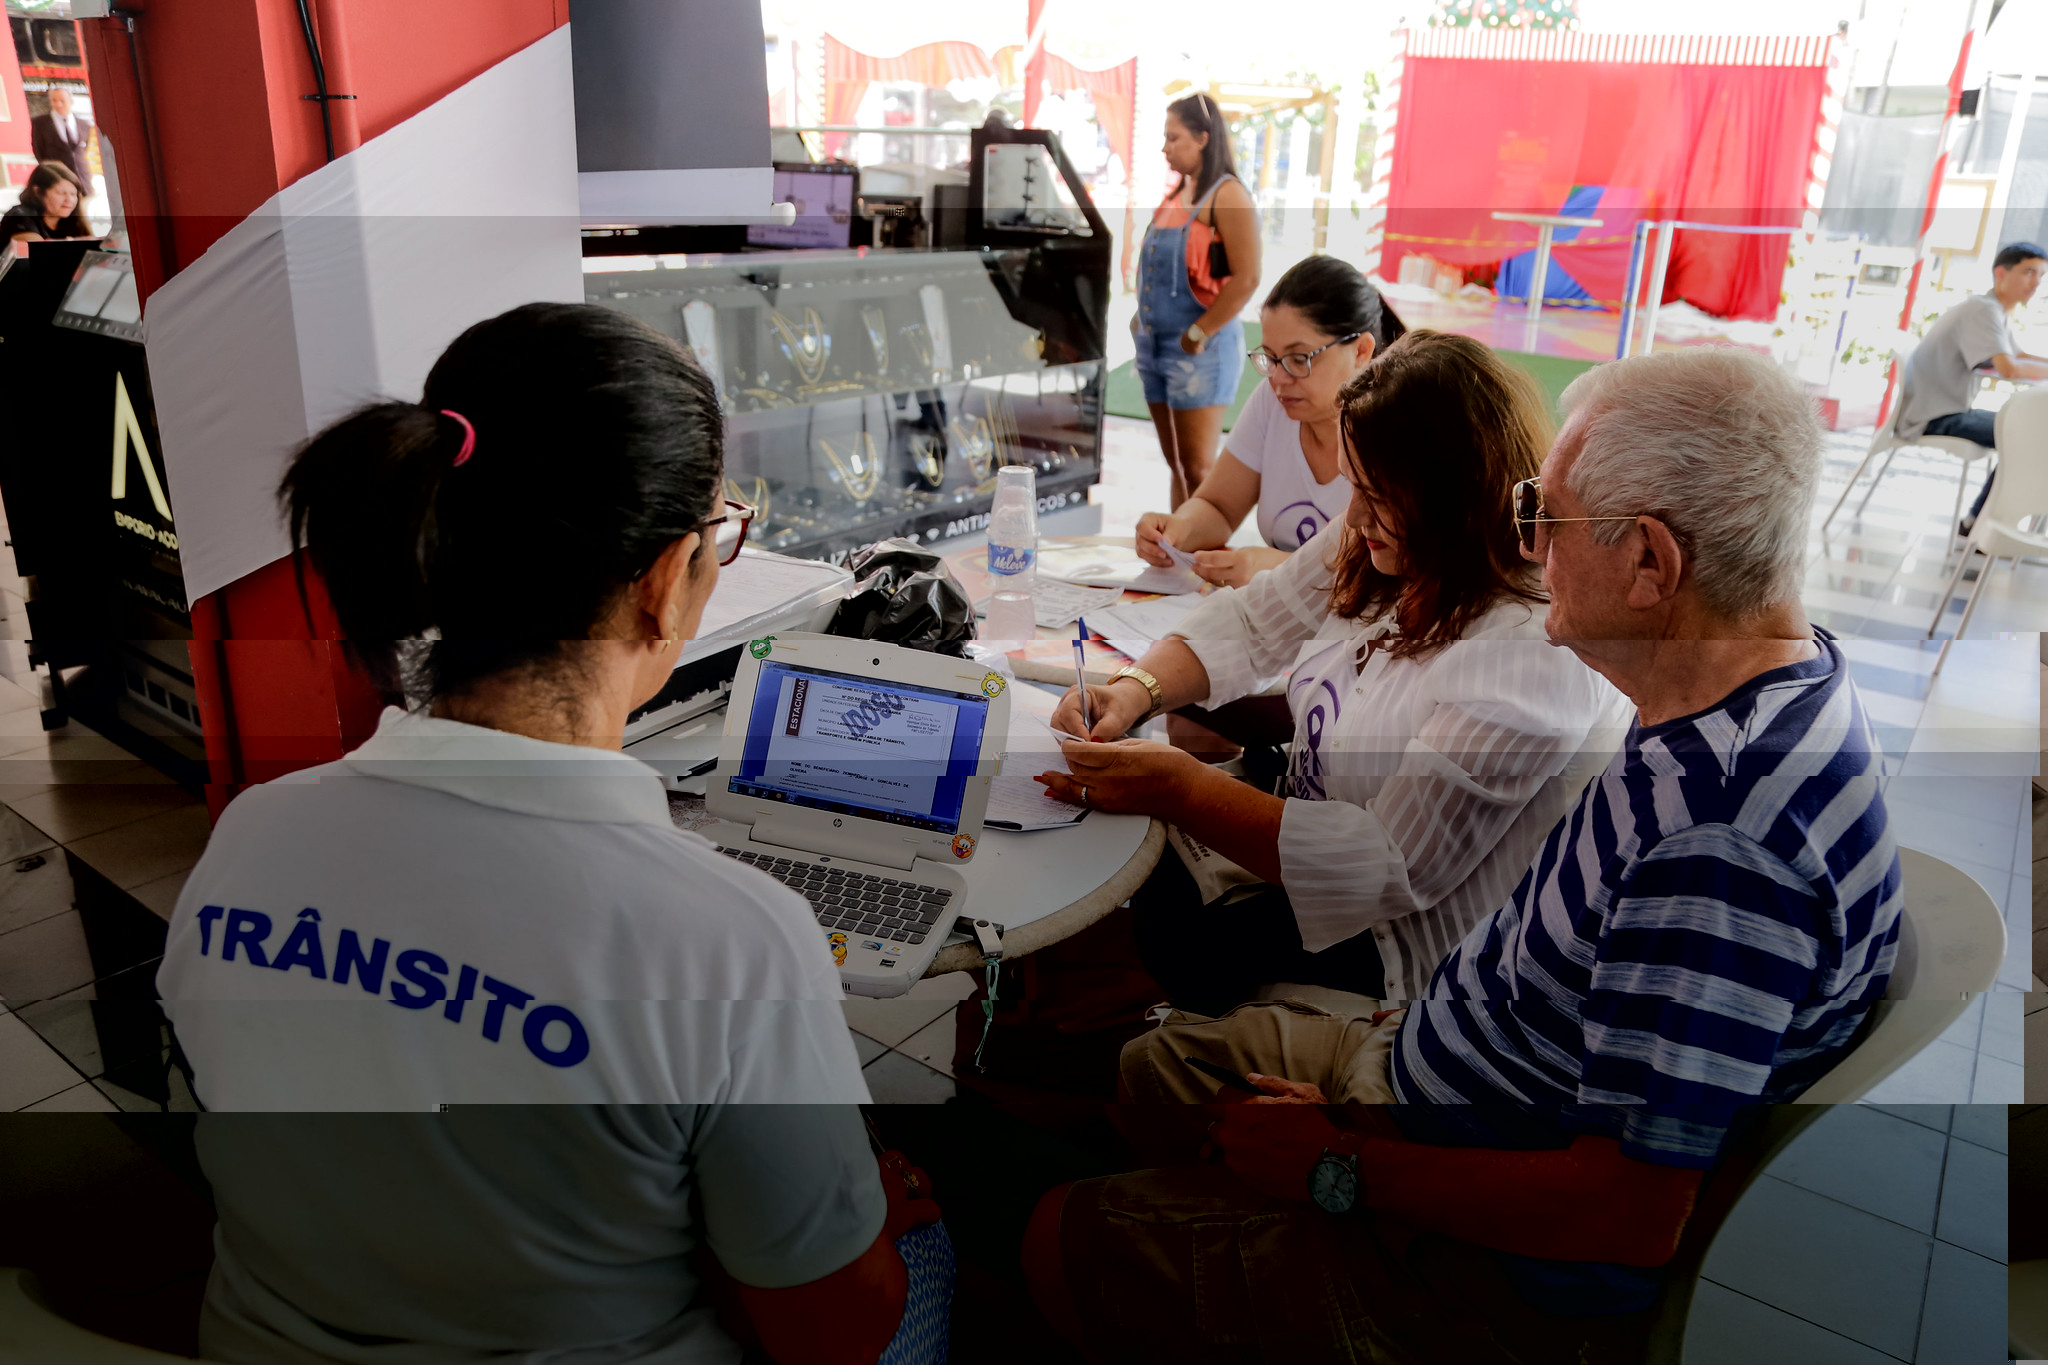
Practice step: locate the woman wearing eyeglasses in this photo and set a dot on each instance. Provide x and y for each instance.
(487, 900)
(1319, 326)
(1437, 734)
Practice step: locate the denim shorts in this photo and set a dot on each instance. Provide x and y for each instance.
(1182, 381)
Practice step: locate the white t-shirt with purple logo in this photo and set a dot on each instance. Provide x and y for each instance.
(1292, 505)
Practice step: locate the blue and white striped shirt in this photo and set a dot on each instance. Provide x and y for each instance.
(1706, 929)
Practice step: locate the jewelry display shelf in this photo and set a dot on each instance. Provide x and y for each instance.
(874, 393)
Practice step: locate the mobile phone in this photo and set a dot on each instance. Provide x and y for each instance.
(1222, 1075)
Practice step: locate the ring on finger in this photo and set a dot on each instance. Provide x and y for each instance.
(1084, 796)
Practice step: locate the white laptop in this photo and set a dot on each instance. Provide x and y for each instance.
(858, 774)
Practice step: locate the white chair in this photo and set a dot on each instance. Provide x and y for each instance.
(31, 1331)
(2020, 494)
(1951, 943)
(1890, 442)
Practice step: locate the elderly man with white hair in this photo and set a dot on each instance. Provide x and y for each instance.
(1704, 932)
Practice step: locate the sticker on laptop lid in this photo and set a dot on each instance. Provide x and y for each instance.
(963, 846)
(992, 685)
(760, 648)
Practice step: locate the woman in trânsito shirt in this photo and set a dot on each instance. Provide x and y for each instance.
(487, 902)
(1320, 326)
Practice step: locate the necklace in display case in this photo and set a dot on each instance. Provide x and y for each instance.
(807, 348)
(858, 468)
(877, 326)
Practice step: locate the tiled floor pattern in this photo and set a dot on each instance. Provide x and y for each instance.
(1878, 1236)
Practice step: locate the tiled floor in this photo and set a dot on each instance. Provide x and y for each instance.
(1878, 1236)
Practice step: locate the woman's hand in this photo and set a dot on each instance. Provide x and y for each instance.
(1151, 530)
(1135, 776)
(1190, 345)
(1235, 568)
(1115, 708)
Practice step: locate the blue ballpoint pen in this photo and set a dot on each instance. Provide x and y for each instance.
(1081, 675)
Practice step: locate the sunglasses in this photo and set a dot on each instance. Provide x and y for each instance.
(731, 530)
(1529, 512)
(1297, 363)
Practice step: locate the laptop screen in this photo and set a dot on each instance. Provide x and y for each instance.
(893, 752)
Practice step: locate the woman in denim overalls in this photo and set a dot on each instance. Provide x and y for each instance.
(1191, 349)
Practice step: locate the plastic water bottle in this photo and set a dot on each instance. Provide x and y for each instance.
(1012, 555)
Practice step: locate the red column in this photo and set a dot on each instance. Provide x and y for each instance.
(205, 102)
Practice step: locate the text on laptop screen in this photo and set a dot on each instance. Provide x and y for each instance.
(884, 751)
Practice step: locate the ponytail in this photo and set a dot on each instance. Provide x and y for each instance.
(593, 443)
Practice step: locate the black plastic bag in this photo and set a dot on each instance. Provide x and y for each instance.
(905, 596)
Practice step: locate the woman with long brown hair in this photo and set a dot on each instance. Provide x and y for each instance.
(1437, 738)
(52, 206)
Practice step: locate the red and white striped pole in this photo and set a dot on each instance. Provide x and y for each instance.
(1034, 60)
(1934, 181)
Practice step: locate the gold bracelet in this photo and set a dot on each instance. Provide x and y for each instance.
(1151, 685)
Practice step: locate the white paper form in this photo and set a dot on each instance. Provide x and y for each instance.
(1113, 566)
(1131, 628)
(1014, 800)
(1056, 602)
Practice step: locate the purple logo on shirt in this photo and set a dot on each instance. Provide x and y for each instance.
(1307, 520)
(1305, 776)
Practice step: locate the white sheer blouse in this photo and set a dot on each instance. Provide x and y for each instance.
(1419, 789)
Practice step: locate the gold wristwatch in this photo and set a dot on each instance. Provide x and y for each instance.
(1151, 685)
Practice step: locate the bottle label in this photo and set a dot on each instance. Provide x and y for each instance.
(1010, 559)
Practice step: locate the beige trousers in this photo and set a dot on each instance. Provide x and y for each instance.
(1345, 1056)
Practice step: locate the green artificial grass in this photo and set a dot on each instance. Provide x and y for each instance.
(1126, 397)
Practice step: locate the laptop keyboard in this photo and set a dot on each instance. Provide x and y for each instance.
(857, 902)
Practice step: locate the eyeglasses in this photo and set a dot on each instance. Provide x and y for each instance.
(731, 532)
(1296, 363)
(1528, 497)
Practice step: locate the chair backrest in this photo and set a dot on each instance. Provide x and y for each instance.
(2021, 489)
(1951, 945)
(31, 1331)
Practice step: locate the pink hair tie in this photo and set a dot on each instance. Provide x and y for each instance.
(468, 438)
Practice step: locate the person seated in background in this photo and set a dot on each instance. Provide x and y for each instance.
(51, 207)
(1941, 377)
(564, 1232)
(1436, 736)
(1319, 326)
(1704, 932)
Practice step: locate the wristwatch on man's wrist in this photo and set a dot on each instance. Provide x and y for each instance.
(1196, 333)
(1150, 684)
(1333, 1182)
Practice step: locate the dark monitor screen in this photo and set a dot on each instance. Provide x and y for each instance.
(823, 196)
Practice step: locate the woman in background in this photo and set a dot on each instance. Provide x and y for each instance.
(52, 207)
(1190, 342)
(1319, 327)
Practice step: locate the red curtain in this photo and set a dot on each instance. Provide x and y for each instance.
(848, 73)
(1703, 142)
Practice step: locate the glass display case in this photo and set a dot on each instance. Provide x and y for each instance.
(872, 393)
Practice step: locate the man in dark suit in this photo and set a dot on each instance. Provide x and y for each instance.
(62, 136)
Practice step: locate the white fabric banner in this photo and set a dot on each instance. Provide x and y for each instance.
(345, 286)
